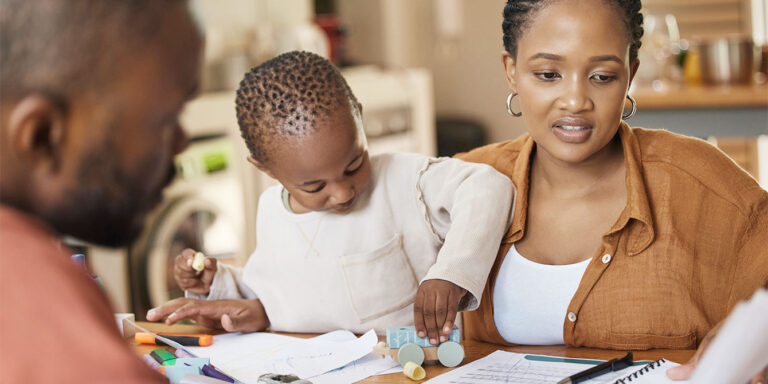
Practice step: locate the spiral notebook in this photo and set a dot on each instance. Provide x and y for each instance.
(652, 373)
(502, 367)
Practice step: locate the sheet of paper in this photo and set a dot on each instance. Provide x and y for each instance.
(248, 356)
(740, 348)
(369, 365)
(509, 367)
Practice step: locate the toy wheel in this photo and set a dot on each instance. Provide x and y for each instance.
(450, 354)
(411, 352)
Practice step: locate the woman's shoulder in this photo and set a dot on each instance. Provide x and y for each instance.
(685, 157)
(691, 155)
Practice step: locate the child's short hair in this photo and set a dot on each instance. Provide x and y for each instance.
(283, 96)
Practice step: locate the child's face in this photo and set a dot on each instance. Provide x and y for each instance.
(329, 169)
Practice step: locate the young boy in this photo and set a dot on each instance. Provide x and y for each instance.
(346, 241)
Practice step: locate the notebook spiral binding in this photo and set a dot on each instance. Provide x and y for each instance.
(637, 374)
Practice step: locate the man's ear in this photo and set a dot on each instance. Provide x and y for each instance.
(260, 166)
(37, 126)
(509, 70)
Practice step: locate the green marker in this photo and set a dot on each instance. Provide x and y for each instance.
(163, 357)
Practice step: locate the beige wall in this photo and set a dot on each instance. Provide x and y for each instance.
(468, 77)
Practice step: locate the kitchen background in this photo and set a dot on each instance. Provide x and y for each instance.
(429, 75)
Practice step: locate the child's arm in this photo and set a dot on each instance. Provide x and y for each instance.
(468, 207)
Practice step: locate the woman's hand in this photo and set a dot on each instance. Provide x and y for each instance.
(434, 310)
(190, 279)
(685, 371)
(235, 315)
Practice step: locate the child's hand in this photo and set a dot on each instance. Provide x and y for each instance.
(236, 315)
(434, 310)
(190, 279)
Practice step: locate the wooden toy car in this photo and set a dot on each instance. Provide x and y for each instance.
(404, 345)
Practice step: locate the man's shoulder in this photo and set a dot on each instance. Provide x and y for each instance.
(55, 306)
(29, 248)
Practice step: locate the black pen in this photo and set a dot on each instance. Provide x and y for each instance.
(600, 369)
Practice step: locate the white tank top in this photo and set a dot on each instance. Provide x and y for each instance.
(530, 300)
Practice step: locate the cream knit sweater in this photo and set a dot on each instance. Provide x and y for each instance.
(423, 218)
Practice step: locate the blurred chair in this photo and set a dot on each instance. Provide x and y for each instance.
(458, 135)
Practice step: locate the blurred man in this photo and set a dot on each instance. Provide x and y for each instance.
(90, 94)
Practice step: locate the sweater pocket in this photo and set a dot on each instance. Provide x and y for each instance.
(380, 281)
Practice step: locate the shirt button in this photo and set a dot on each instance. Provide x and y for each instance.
(572, 317)
(606, 258)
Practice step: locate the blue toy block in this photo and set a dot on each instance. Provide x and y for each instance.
(399, 336)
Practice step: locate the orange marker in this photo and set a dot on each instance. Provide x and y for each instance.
(186, 339)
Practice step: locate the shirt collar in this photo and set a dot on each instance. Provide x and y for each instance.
(520, 177)
(636, 215)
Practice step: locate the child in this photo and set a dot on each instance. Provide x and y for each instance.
(347, 241)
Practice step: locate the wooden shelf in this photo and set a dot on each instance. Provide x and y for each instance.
(701, 96)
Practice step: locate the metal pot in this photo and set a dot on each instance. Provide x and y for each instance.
(727, 60)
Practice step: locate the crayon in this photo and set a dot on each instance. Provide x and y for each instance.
(198, 262)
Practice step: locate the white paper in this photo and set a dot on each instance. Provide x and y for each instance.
(248, 356)
(740, 348)
(509, 367)
(369, 365)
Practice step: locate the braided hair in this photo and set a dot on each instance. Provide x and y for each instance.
(519, 13)
(284, 96)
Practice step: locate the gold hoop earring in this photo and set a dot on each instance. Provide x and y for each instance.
(632, 111)
(509, 105)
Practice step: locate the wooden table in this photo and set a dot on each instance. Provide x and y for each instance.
(473, 350)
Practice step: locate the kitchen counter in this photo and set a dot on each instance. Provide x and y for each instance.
(704, 111)
(701, 96)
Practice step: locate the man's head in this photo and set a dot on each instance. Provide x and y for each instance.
(90, 94)
(302, 125)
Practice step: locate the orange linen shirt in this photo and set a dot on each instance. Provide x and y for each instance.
(56, 323)
(691, 242)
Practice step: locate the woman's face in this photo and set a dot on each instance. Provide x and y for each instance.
(571, 74)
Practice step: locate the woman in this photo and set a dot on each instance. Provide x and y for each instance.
(622, 238)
